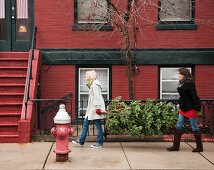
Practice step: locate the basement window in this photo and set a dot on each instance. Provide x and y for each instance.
(176, 15)
(102, 76)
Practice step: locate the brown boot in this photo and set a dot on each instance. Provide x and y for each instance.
(176, 142)
(198, 140)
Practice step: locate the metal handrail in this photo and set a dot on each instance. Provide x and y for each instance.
(29, 72)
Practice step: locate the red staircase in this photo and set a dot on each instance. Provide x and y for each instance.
(13, 72)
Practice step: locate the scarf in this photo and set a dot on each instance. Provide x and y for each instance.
(181, 82)
(89, 83)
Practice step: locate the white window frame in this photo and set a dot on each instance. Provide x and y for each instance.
(80, 109)
(168, 80)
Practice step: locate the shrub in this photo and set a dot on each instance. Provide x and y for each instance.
(140, 119)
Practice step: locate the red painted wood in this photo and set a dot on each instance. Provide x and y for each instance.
(13, 71)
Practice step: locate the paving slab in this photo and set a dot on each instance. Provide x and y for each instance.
(23, 156)
(153, 155)
(208, 150)
(111, 156)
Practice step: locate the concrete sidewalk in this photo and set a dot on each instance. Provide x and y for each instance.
(114, 155)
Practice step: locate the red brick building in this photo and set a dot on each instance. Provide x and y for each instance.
(67, 45)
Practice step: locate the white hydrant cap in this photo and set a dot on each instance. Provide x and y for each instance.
(62, 116)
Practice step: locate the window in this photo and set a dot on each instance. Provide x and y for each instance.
(169, 83)
(91, 14)
(102, 76)
(176, 14)
(2, 20)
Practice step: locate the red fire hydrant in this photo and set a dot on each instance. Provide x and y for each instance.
(61, 131)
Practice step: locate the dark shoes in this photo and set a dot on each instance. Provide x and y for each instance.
(176, 142)
(198, 140)
(173, 148)
(177, 139)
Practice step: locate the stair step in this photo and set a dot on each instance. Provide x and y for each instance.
(13, 75)
(13, 58)
(9, 118)
(12, 89)
(11, 94)
(11, 98)
(9, 129)
(14, 54)
(8, 108)
(11, 104)
(13, 63)
(13, 71)
(8, 124)
(11, 80)
(11, 85)
(10, 114)
(14, 67)
(9, 136)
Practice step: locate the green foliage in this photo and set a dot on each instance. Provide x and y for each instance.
(139, 119)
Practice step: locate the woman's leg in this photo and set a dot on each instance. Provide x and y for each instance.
(194, 124)
(197, 135)
(99, 131)
(180, 123)
(84, 131)
(177, 134)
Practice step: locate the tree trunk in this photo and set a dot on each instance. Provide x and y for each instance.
(129, 62)
(130, 74)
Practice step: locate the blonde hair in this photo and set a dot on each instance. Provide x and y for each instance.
(92, 74)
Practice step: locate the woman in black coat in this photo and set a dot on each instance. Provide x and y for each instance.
(189, 105)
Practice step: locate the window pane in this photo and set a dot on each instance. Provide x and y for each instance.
(170, 96)
(92, 11)
(169, 73)
(22, 20)
(175, 10)
(170, 87)
(2, 20)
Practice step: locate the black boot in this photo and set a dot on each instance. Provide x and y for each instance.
(198, 140)
(176, 142)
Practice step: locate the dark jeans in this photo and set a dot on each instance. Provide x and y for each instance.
(85, 131)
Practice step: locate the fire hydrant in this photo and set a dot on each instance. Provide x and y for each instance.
(61, 131)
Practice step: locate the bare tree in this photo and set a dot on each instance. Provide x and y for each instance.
(124, 16)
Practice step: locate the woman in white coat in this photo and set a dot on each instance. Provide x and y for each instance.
(95, 110)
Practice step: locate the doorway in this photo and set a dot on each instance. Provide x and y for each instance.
(16, 25)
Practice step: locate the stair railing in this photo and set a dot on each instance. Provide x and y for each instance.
(29, 71)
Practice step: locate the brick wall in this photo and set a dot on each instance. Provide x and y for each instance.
(204, 79)
(54, 20)
(145, 82)
(57, 81)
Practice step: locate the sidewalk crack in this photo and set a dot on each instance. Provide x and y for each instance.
(125, 156)
(48, 155)
(201, 154)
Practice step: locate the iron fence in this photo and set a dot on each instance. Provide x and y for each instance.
(48, 109)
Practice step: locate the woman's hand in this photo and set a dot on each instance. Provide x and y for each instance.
(98, 111)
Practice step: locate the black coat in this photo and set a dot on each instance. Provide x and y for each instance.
(188, 97)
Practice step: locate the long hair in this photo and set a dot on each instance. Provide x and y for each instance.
(186, 73)
(93, 74)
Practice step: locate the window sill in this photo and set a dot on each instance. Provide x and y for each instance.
(176, 26)
(92, 27)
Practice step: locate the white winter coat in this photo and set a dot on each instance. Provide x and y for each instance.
(95, 101)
